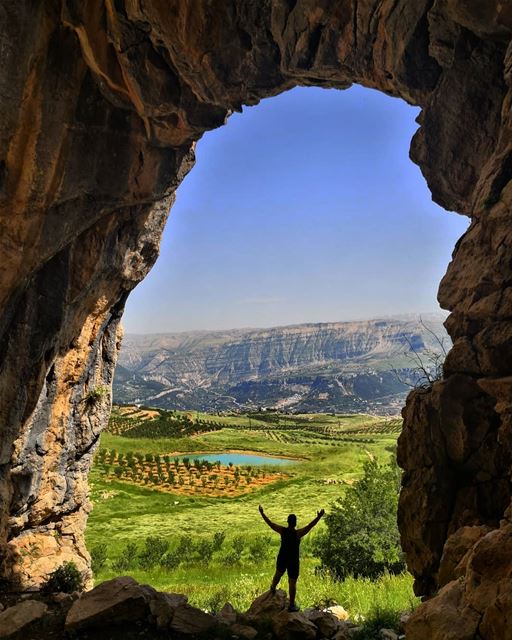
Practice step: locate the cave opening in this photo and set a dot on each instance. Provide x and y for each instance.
(302, 211)
(103, 104)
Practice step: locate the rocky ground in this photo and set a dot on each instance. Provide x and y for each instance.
(122, 609)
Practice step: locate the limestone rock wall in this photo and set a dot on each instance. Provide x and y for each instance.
(101, 102)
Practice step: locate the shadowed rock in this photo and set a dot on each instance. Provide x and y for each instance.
(293, 626)
(16, 619)
(113, 602)
(267, 605)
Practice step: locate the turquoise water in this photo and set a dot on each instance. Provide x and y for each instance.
(239, 459)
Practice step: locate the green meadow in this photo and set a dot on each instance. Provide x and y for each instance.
(328, 454)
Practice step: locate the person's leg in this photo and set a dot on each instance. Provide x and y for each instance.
(275, 581)
(292, 590)
(293, 576)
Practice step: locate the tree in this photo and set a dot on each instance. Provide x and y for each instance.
(427, 364)
(361, 536)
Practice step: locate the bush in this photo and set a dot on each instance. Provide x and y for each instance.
(204, 550)
(126, 559)
(153, 552)
(362, 536)
(234, 556)
(238, 545)
(218, 540)
(230, 559)
(378, 619)
(98, 557)
(65, 579)
(185, 547)
(217, 600)
(259, 548)
(171, 560)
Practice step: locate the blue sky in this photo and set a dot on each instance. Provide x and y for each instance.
(304, 208)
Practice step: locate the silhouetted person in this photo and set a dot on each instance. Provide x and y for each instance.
(288, 556)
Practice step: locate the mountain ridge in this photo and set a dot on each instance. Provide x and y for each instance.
(226, 369)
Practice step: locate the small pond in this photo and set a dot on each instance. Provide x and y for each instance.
(239, 459)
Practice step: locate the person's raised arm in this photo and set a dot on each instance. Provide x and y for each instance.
(302, 532)
(272, 525)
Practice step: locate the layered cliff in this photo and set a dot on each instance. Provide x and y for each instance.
(338, 366)
(101, 102)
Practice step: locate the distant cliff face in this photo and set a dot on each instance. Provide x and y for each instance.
(340, 366)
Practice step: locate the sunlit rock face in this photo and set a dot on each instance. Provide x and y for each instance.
(100, 105)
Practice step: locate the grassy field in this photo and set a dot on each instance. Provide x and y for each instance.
(330, 452)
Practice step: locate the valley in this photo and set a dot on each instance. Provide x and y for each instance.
(176, 501)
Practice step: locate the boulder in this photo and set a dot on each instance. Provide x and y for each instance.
(163, 606)
(243, 631)
(326, 623)
(338, 612)
(293, 626)
(345, 632)
(388, 634)
(112, 602)
(227, 614)
(445, 617)
(189, 621)
(16, 618)
(267, 605)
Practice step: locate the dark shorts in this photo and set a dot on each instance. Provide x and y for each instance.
(290, 565)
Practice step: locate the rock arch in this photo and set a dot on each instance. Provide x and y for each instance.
(101, 103)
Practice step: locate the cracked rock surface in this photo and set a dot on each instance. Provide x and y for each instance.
(100, 106)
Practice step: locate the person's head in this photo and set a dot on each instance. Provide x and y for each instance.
(292, 521)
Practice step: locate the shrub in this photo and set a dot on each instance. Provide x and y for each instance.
(185, 547)
(362, 536)
(238, 544)
(230, 559)
(204, 550)
(65, 579)
(171, 560)
(218, 540)
(94, 396)
(98, 557)
(126, 559)
(259, 548)
(217, 600)
(235, 555)
(378, 619)
(153, 552)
